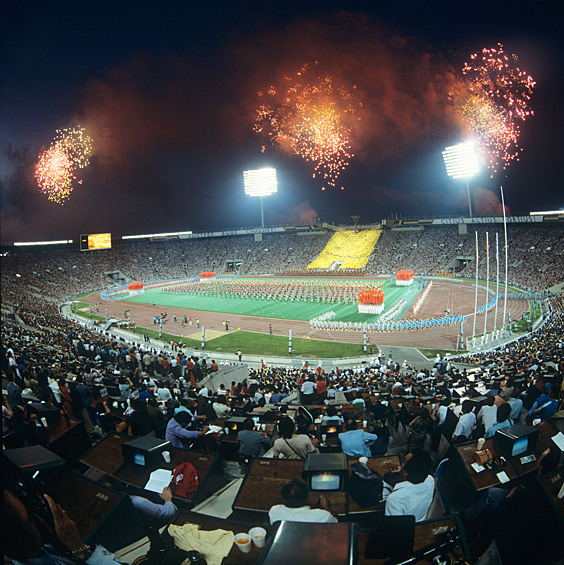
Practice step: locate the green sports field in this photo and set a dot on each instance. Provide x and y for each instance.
(284, 309)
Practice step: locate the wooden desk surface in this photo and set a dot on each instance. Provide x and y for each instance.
(235, 556)
(426, 534)
(138, 476)
(487, 478)
(57, 429)
(84, 501)
(106, 455)
(261, 487)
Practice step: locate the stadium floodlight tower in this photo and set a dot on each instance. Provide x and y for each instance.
(260, 182)
(462, 163)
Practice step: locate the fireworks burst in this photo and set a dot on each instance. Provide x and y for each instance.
(312, 118)
(54, 172)
(76, 144)
(493, 100)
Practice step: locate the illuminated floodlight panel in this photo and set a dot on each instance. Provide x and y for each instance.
(260, 182)
(461, 161)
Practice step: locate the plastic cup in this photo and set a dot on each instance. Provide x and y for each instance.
(263, 427)
(364, 423)
(323, 438)
(481, 442)
(166, 456)
(44, 421)
(243, 542)
(258, 535)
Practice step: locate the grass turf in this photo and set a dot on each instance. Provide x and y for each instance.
(288, 310)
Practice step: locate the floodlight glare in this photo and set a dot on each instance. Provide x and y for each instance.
(462, 163)
(260, 182)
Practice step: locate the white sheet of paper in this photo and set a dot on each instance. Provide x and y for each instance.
(159, 480)
(477, 467)
(214, 429)
(558, 439)
(502, 476)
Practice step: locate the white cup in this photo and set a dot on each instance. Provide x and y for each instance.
(364, 423)
(166, 456)
(226, 431)
(323, 438)
(264, 427)
(243, 542)
(258, 536)
(481, 442)
(44, 421)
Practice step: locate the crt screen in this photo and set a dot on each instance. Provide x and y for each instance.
(325, 481)
(139, 458)
(520, 446)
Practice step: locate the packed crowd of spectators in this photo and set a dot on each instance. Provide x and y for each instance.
(63, 364)
(536, 259)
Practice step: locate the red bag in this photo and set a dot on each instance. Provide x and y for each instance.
(186, 480)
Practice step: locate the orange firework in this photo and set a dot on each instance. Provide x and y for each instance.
(55, 168)
(54, 174)
(493, 99)
(311, 117)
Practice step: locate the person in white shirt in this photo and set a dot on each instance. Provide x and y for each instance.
(413, 497)
(308, 392)
(295, 494)
(488, 414)
(466, 422)
(163, 393)
(442, 411)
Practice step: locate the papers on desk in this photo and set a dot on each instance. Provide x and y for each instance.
(558, 439)
(477, 467)
(214, 430)
(159, 480)
(502, 476)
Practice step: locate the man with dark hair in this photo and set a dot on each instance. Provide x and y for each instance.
(355, 442)
(413, 496)
(177, 433)
(295, 494)
(251, 441)
(466, 423)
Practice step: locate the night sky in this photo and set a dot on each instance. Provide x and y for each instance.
(169, 91)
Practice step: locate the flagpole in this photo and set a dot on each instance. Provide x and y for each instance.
(506, 255)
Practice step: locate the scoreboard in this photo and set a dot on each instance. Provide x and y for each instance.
(90, 242)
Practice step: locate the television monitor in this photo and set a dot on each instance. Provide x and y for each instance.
(516, 440)
(325, 481)
(331, 428)
(234, 423)
(325, 471)
(45, 412)
(145, 451)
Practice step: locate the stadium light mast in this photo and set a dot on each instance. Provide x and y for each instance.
(461, 163)
(260, 182)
